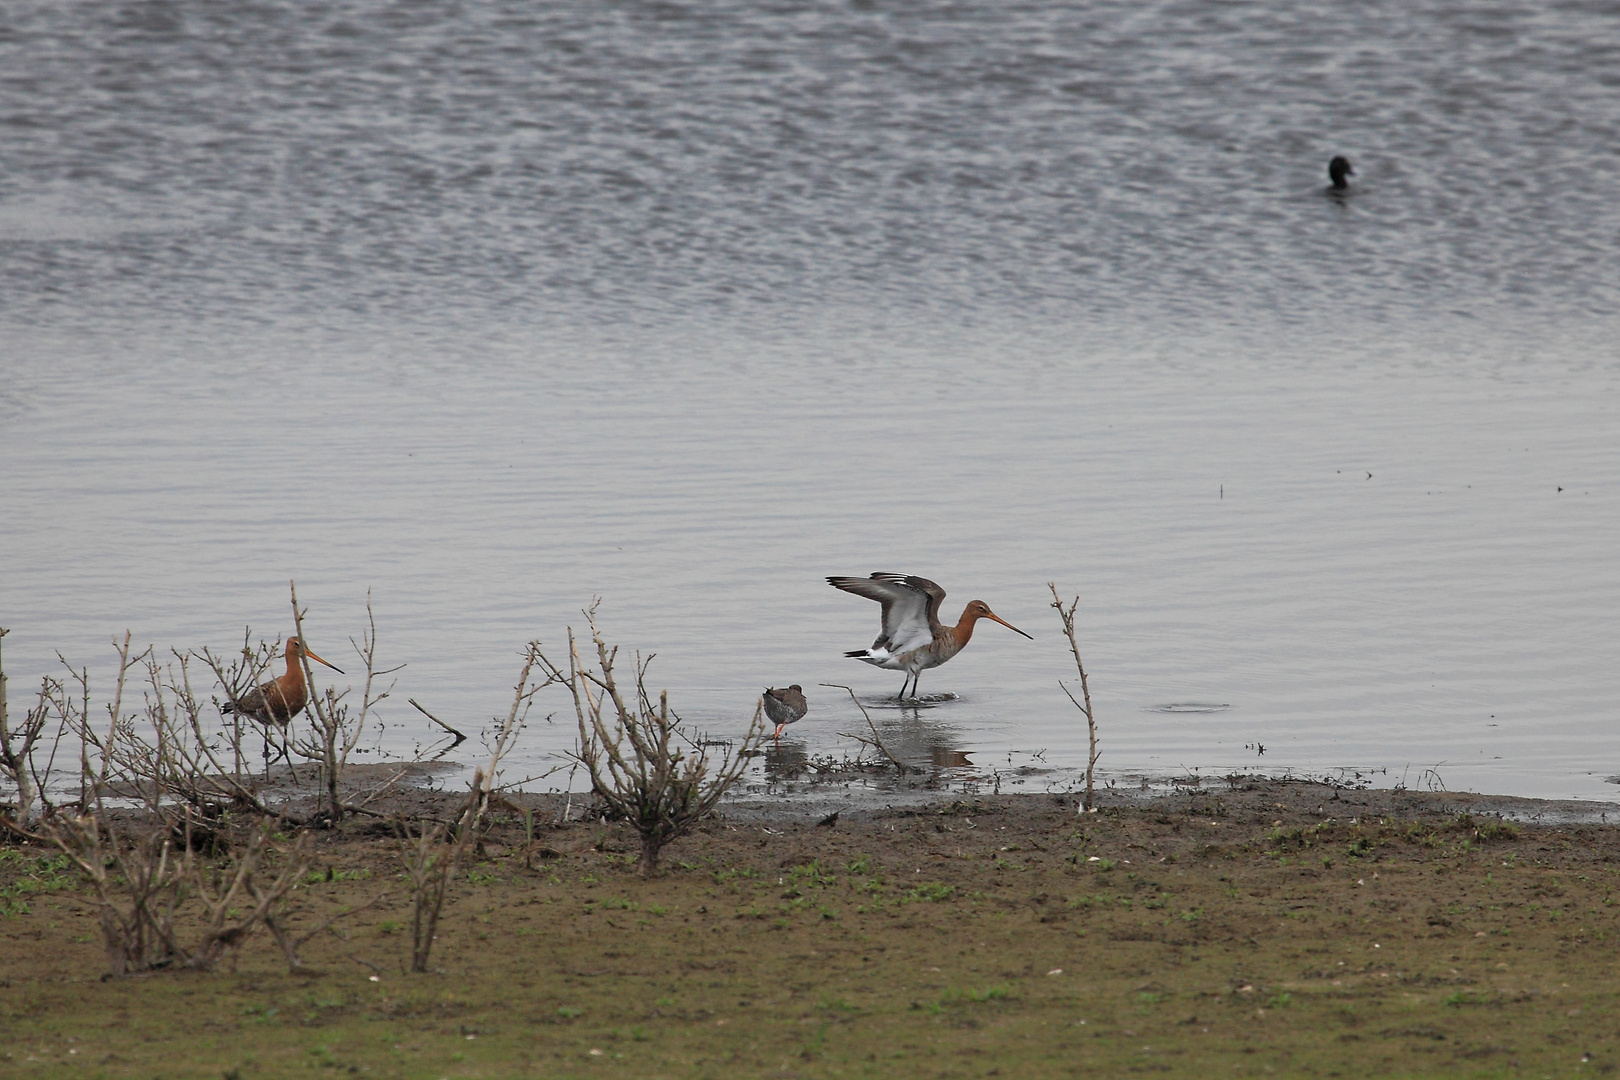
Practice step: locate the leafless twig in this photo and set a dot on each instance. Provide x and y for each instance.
(460, 738)
(1067, 615)
(335, 730)
(19, 754)
(876, 739)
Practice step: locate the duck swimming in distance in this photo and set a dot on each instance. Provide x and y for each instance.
(1338, 169)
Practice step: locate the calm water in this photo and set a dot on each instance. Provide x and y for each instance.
(490, 309)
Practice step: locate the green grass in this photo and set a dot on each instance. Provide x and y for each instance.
(806, 959)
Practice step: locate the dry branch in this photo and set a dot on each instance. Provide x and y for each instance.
(876, 739)
(1067, 615)
(19, 754)
(335, 731)
(460, 738)
(429, 863)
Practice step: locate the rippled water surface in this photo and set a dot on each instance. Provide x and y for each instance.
(492, 309)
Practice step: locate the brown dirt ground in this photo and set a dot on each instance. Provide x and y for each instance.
(1266, 928)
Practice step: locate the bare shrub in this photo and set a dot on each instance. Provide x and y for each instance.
(1067, 615)
(166, 758)
(142, 883)
(175, 768)
(179, 750)
(177, 758)
(185, 753)
(642, 766)
(238, 676)
(137, 888)
(238, 894)
(20, 765)
(173, 755)
(430, 862)
(144, 878)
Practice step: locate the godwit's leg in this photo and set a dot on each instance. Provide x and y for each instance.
(286, 755)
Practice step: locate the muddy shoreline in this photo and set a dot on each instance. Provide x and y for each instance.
(865, 791)
(801, 801)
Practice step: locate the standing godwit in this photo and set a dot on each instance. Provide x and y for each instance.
(785, 707)
(279, 700)
(913, 638)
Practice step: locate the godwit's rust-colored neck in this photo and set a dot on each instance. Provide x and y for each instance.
(963, 630)
(295, 669)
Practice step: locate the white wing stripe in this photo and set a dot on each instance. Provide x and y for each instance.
(905, 610)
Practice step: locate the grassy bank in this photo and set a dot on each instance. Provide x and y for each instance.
(1282, 929)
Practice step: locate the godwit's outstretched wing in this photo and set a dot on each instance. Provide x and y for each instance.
(910, 608)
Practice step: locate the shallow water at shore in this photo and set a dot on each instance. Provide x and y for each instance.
(1453, 611)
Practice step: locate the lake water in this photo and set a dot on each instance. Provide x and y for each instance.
(489, 309)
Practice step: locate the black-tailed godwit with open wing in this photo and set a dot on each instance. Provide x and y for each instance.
(785, 707)
(913, 639)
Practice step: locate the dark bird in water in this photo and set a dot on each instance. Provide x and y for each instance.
(913, 639)
(1338, 169)
(785, 707)
(279, 700)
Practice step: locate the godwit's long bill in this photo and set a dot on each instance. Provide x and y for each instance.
(280, 699)
(913, 638)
